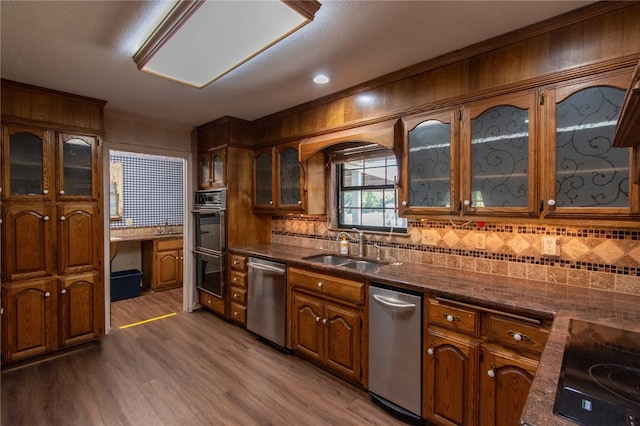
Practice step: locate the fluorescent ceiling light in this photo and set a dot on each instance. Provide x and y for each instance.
(200, 41)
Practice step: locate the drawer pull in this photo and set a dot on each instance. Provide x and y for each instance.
(235, 279)
(518, 337)
(235, 314)
(450, 318)
(235, 262)
(319, 284)
(235, 295)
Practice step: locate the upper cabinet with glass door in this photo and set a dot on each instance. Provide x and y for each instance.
(27, 169)
(498, 156)
(212, 171)
(290, 179)
(77, 167)
(264, 180)
(585, 174)
(429, 164)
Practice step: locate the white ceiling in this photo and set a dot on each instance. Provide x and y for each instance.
(85, 47)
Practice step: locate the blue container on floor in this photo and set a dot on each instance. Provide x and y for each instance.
(125, 284)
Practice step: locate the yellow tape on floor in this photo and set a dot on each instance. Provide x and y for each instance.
(148, 320)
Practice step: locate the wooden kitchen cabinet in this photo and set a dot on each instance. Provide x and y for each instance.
(162, 263)
(212, 170)
(52, 220)
(238, 289)
(479, 363)
(284, 184)
(326, 321)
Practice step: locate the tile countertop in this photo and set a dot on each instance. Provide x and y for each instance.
(542, 299)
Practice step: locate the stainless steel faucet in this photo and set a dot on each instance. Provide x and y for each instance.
(359, 239)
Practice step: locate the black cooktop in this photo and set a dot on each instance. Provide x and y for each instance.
(600, 377)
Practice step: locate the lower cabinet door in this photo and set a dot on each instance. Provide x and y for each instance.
(306, 326)
(450, 384)
(342, 340)
(30, 319)
(505, 381)
(168, 270)
(77, 309)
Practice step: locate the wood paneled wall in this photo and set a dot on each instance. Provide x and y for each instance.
(599, 37)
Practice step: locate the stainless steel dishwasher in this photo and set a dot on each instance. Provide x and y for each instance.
(395, 351)
(266, 300)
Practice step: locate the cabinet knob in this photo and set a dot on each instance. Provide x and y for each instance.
(324, 320)
(235, 279)
(491, 373)
(299, 203)
(551, 202)
(319, 284)
(235, 295)
(466, 202)
(270, 202)
(62, 218)
(63, 291)
(235, 314)
(45, 191)
(47, 294)
(519, 337)
(209, 301)
(451, 318)
(46, 218)
(235, 262)
(61, 192)
(404, 202)
(318, 319)
(430, 351)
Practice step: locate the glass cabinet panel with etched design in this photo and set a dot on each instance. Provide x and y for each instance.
(498, 155)
(290, 195)
(587, 175)
(264, 180)
(77, 166)
(430, 163)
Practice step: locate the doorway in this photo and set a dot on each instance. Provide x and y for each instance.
(148, 202)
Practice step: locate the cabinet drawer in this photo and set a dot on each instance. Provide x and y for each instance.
(517, 334)
(352, 291)
(239, 313)
(169, 244)
(239, 295)
(211, 302)
(454, 318)
(238, 279)
(238, 263)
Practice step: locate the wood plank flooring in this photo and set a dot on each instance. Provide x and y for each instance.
(189, 369)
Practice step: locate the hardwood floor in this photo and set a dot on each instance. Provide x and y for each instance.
(188, 369)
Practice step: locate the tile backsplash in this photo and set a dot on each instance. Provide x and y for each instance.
(607, 259)
(152, 190)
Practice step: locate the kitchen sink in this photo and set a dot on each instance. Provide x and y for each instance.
(344, 261)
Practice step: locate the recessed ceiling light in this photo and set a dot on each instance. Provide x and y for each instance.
(321, 79)
(200, 41)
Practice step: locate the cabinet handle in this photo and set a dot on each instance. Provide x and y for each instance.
(320, 284)
(491, 373)
(46, 218)
(47, 294)
(519, 337)
(45, 191)
(430, 351)
(450, 318)
(63, 291)
(62, 218)
(61, 192)
(551, 202)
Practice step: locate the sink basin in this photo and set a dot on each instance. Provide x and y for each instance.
(329, 259)
(344, 261)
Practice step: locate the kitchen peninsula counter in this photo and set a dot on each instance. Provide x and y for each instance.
(546, 300)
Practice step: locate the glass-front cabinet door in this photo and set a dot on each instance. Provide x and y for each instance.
(290, 191)
(204, 170)
(212, 169)
(27, 157)
(264, 179)
(499, 139)
(586, 174)
(218, 166)
(77, 166)
(430, 163)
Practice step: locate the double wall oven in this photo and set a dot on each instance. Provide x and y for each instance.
(211, 241)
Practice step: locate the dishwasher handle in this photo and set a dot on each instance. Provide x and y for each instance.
(393, 303)
(268, 268)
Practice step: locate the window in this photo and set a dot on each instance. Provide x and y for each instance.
(367, 194)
